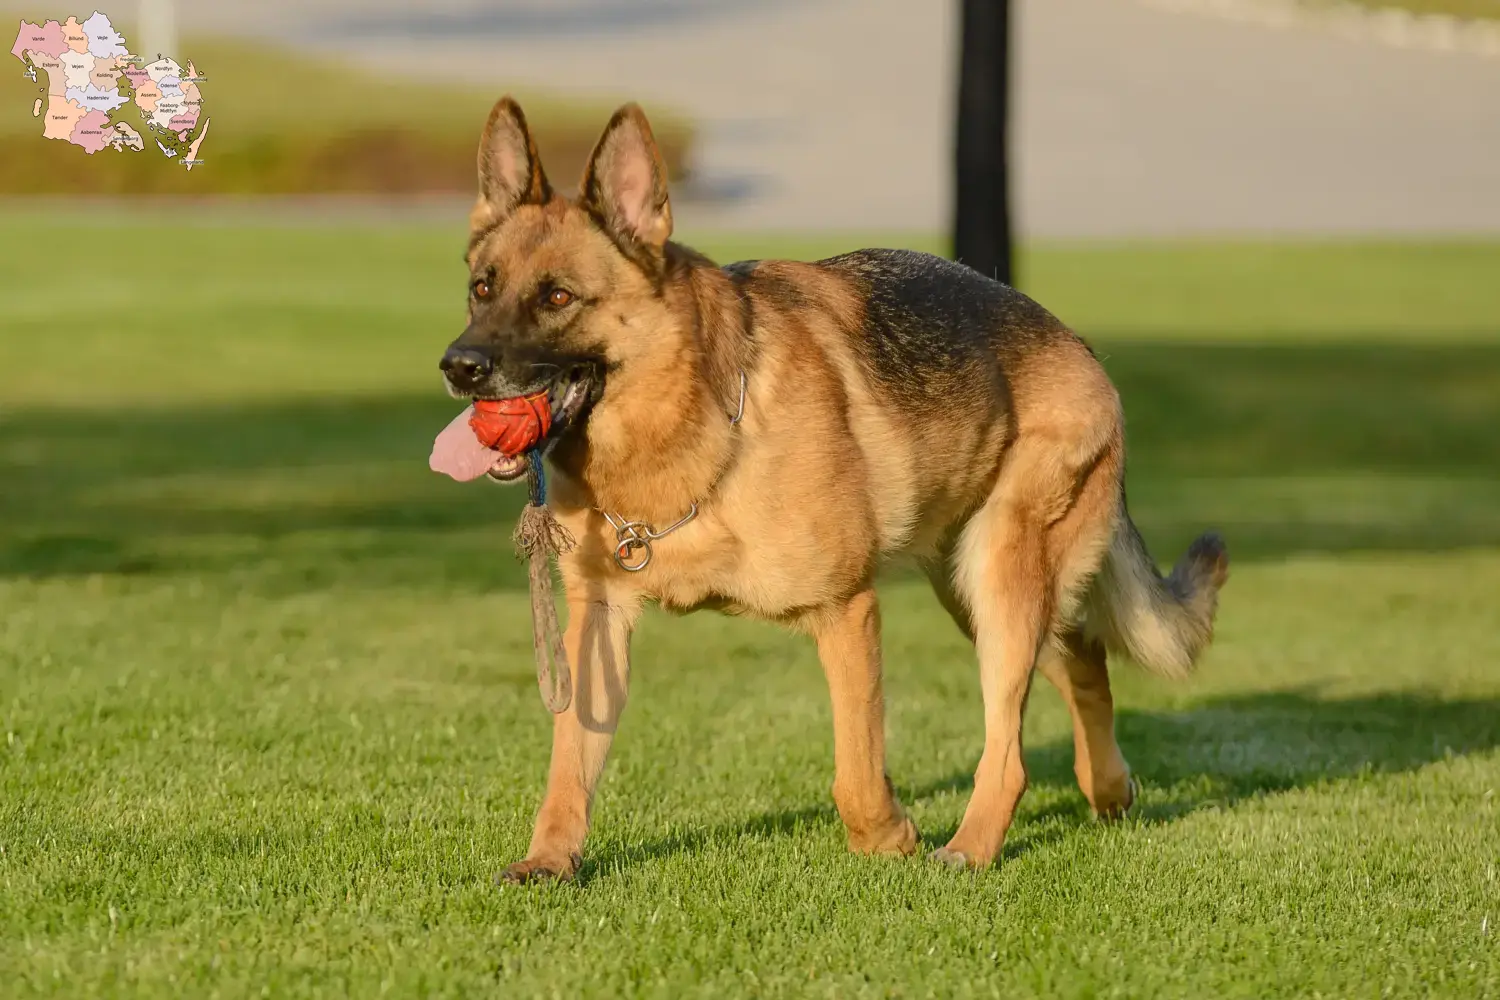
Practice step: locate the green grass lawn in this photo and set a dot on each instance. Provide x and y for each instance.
(270, 721)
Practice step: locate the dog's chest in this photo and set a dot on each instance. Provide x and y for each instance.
(762, 568)
(711, 563)
(786, 530)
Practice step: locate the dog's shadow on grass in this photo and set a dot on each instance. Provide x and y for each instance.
(1216, 754)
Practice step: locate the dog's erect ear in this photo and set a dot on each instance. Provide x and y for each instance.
(510, 172)
(626, 181)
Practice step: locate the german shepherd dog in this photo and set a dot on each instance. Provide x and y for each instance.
(759, 438)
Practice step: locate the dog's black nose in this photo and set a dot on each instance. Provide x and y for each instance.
(465, 367)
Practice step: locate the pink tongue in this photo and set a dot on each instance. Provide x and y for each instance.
(458, 453)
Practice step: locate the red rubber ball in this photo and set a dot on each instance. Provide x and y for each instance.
(511, 426)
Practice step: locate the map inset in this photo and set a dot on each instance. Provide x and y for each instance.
(92, 77)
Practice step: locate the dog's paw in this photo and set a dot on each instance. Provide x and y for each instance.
(1116, 805)
(950, 858)
(899, 839)
(540, 870)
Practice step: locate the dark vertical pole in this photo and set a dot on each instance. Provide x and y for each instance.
(981, 222)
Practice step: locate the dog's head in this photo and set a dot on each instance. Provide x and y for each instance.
(562, 291)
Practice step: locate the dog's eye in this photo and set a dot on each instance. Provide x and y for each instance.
(481, 289)
(559, 297)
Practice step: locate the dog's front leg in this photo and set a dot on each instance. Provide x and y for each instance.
(598, 648)
(849, 646)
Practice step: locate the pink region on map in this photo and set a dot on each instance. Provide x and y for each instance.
(92, 132)
(46, 39)
(183, 123)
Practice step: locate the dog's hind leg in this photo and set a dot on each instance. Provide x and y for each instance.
(1023, 561)
(1076, 666)
(1018, 567)
(1002, 578)
(597, 642)
(849, 645)
(1071, 660)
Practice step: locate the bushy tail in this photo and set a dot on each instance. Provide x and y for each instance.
(1162, 623)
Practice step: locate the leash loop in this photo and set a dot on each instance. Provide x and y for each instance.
(538, 538)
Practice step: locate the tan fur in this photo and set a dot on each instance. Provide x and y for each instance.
(1076, 667)
(1010, 495)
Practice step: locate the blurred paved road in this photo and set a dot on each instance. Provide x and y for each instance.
(835, 113)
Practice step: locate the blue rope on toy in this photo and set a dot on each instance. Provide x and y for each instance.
(538, 477)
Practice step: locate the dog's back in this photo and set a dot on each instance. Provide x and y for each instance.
(935, 369)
